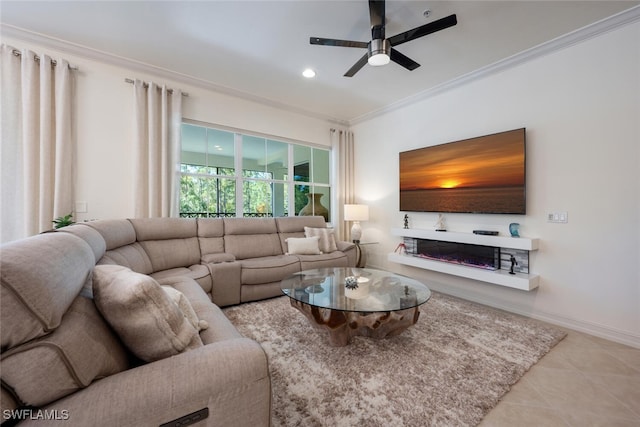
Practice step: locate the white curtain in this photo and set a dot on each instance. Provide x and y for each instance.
(37, 153)
(342, 145)
(158, 116)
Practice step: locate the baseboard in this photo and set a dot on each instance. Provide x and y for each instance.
(590, 328)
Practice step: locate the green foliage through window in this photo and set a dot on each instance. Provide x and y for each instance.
(267, 170)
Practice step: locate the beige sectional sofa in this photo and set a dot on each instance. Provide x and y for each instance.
(91, 335)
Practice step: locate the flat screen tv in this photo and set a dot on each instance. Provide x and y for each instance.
(485, 174)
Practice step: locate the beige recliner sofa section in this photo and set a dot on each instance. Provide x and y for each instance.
(60, 360)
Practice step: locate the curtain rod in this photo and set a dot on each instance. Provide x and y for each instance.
(36, 58)
(146, 85)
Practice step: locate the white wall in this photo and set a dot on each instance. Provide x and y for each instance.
(105, 127)
(581, 108)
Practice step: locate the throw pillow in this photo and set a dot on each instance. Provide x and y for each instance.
(149, 323)
(186, 308)
(327, 238)
(303, 245)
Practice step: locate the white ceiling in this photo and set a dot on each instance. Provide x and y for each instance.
(259, 49)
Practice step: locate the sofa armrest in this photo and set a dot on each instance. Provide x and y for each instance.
(345, 246)
(349, 250)
(230, 378)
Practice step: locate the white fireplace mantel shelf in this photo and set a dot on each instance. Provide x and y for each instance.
(520, 281)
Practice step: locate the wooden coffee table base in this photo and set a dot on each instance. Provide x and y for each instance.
(342, 325)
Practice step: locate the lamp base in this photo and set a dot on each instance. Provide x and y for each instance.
(356, 231)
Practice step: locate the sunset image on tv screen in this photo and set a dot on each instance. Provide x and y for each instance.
(484, 175)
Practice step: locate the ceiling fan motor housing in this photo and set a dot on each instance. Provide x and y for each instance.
(379, 51)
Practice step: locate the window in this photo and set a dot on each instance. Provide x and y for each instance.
(227, 173)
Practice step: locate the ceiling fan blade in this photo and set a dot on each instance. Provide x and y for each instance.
(424, 30)
(403, 60)
(356, 67)
(336, 42)
(376, 16)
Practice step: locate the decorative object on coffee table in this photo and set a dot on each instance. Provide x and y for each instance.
(351, 282)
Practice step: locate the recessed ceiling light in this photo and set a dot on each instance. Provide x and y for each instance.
(309, 73)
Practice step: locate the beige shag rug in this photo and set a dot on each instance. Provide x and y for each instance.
(449, 369)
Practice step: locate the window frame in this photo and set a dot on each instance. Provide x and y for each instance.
(240, 179)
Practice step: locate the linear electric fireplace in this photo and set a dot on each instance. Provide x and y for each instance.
(486, 257)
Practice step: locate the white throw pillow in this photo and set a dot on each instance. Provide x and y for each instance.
(303, 245)
(327, 242)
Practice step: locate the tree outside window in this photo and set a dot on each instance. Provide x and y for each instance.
(216, 163)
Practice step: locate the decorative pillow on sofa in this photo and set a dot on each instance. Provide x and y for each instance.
(303, 245)
(327, 238)
(147, 320)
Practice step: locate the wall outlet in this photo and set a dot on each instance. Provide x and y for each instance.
(558, 217)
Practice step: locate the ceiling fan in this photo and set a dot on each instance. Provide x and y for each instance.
(380, 49)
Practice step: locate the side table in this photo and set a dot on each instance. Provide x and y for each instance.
(361, 255)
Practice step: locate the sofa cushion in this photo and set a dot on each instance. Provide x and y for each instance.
(148, 322)
(115, 232)
(82, 349)
(211, 236)
(198, 272)
(293, 226)
(185, 307)
(334, 259)
(169, 242)
(89, 235)
(40, 276)
(220, 328)
(253, 245)
(303, 246)
(132, 256)
(326, 236)
(257, 271)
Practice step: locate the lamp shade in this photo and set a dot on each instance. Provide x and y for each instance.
(356, 213)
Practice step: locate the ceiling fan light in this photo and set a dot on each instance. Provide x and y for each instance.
(378, 59)
(378, 53)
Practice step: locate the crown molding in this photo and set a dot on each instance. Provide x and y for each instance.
(7, 30)
(605, 25)
(593, 30)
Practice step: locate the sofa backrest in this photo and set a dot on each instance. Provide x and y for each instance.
(294, 227)
(40, 276)
(53, 338)
(93, 238)
(211, 236)
(121, 244)
(169, 242)
(251, 237)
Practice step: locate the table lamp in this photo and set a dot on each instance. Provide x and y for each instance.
(356, 213)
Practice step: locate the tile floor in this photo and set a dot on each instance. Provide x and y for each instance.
(584, 381)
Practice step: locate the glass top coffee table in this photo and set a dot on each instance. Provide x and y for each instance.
(349, 301)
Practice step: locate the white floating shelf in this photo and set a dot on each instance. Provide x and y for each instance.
(524, 243)
(521, 281)
(525, 282)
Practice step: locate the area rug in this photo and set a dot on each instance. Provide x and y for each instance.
(449, 369)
